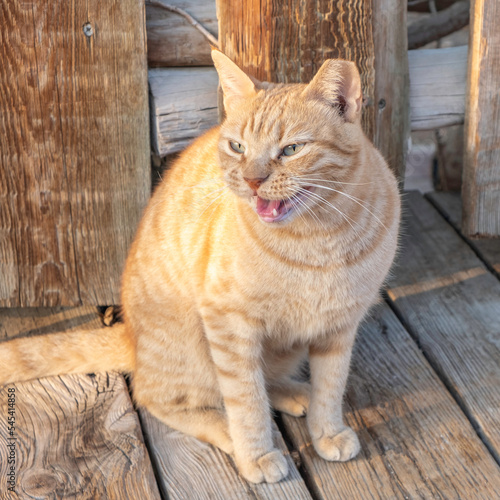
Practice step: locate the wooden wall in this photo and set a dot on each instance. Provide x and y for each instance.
(74, 148)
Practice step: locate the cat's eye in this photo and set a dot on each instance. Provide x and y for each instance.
(292, 149)
(236, 146)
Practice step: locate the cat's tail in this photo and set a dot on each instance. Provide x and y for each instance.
(79, 351)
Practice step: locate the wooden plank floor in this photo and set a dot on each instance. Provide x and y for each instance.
(450, 207)
(450, 303)
(74, 436)
(423, 395)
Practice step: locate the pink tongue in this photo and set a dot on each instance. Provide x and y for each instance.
(266, 207)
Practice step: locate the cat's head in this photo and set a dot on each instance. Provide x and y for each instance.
(280, 143)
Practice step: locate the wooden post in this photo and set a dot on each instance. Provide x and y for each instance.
(481, 176)
(74, 148)
(392, 85)
(288, 42)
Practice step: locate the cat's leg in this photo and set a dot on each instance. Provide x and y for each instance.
(175, 378)
(329, 363)
(236, 351)
(209, 425)
(288, 390)
(290, 396)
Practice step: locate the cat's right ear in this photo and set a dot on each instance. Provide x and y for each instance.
(234, 82)
(338, 84)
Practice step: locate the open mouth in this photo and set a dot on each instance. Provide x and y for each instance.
(277, 210)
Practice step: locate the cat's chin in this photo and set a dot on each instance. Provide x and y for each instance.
(274, 211)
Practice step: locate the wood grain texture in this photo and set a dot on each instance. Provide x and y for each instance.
(183, 106)
(450, 301)
(481, 177)
(437, 87)
(78, 436)
(172, 41)
(450, 206)
(416, 442)
(37, 261)
(392, 83)
(289, 41)
(74, 148)
(188, 468)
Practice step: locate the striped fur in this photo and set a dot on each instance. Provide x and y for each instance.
(222, 309)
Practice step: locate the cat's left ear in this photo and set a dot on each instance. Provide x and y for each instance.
(338, 83)
(234, 82)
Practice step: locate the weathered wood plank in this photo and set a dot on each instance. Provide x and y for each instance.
(449, 300)
(416, 442)
(172, 41)
(74, 174)
(188, 468)
(106, 140)
(437, 87)
(392, 85)
(37, 260)
(450, 206)
(481, 176)
(76, 436)
(183, 106)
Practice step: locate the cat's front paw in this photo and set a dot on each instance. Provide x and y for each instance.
(339, 448)
(269, 468)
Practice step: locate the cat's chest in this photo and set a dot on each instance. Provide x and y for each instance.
(327, 291)
(304, 302)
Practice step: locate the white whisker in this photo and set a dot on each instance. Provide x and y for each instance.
(212, 202)
(206, 195)
(333, 182)
(203, 183)
(353, 198)
(295, 205)
(309, 210)
(309, 195)
(319, 198)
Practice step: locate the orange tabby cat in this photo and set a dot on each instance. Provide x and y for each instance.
(266, 243)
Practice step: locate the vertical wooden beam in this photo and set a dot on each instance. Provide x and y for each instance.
(392, 83)
(37, 254)
(74, 148)
(288, 42)
(481, 176)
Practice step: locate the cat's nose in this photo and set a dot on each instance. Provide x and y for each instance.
(256, 182)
